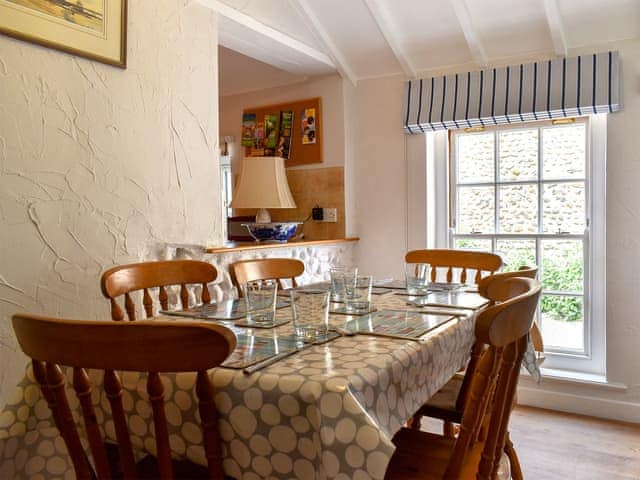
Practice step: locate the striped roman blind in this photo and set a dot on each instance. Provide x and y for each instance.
(565, 87)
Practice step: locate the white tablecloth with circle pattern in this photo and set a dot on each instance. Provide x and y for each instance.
(329, 411)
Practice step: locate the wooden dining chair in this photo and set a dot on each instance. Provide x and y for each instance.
(150, 346)
(448, 403)
(123, 280)
(502, 330)
(483, 263)
(265, 268)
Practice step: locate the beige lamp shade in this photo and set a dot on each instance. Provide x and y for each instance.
(263, 184)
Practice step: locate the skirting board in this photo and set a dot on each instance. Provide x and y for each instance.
(579, 404)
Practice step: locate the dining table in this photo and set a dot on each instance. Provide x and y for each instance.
(326, 409)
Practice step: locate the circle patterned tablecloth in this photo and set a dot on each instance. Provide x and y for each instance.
(328, 412)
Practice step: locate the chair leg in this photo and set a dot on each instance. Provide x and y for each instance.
(449, 429)
(414, 422)
(516, 470)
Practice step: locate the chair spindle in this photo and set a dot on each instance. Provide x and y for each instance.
(147, 302)
(129, 306)
(113, 389)
(184, 296)
(67, 427)
(209, 421)
(155, 389)
(82, 386)
(164, 298)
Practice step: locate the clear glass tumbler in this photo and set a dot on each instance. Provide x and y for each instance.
(357, 295)
(310, 313)
(417, 278)
(340, 275)
(260, 299)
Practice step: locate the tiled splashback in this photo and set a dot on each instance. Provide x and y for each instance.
(321, 186)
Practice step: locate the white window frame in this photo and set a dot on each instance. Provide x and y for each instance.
(438, 234)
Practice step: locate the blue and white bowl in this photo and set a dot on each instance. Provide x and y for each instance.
(278, 231)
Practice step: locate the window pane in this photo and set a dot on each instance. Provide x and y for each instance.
(562, 265)
(516, 253)
(562, 322)
(563, 152)
(518, 209)
(475, 158)
(477, 244)
(519, 155)
(563, 207)
(476, 207)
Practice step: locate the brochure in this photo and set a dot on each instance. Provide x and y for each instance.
(248, 129)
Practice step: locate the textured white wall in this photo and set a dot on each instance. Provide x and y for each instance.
(98, 163)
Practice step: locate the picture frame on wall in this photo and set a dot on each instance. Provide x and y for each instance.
(94, 29)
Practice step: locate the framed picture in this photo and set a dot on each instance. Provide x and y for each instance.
(95, 29)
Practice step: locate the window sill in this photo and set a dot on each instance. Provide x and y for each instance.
(578, 378)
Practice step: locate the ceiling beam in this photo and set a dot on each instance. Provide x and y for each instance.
(554, 19)
(382, 19)
(267, 31)
(303, 8)
(470, 33)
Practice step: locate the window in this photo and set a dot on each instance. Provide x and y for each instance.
(226, 187)
(528, 192)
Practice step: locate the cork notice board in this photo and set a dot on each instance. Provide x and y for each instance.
(265, 132)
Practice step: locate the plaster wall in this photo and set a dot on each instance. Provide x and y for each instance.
(98, 163)
(385, 178)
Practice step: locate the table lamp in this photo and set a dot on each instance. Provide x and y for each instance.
(262, 185)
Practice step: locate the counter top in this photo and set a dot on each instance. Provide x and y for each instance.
(240, 246)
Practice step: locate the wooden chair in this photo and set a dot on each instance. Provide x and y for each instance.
(481, 262)
(502, 330)
(448, 403)
(265, 268)
(125, 279)
(150, 346)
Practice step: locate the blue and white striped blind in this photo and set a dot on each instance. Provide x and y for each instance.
(567, 87)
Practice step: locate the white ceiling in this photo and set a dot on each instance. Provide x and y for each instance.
(369, 38)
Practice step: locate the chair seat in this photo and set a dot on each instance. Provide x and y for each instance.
(424, 456)
(443, 404)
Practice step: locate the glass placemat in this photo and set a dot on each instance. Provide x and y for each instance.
(227, 310)
(397, 323)
(456, 299)
(342, 310)
(251, 349)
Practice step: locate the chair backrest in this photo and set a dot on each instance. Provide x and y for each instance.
(125, 279)
(481, 262)
(502, 330)
(265, 268)
(150, 346)
(490, 287)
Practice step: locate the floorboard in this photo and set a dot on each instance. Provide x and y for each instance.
(559, 446)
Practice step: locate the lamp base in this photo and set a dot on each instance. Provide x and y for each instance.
(275, 231)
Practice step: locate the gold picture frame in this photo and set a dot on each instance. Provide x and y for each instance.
(94, 29)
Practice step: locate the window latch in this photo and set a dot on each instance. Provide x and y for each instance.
(561, 232)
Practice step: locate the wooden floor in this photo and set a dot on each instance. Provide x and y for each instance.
(559, 446)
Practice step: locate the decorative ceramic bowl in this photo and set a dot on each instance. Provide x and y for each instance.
(275, 231)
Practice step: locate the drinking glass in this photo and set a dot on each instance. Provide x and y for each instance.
(357, 294)
(340, 275)
(310, 313)
(417, 278)
(260, 299)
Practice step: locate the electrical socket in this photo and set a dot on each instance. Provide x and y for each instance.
(330, 215)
